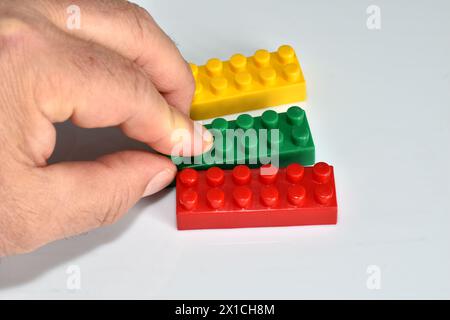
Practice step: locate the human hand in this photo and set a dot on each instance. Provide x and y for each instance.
(118, 69)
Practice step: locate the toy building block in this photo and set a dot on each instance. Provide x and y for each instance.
(244, 197)
(246, 83)
(292, 142)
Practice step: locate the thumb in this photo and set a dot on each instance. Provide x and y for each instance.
(94, 193)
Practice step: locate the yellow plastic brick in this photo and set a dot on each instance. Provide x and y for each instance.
(247, 83)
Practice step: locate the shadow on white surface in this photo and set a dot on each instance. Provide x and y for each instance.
(18, 270)
(76, 144)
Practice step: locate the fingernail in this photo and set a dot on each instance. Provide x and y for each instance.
(206, 136)
(208, 140)
(159, 182)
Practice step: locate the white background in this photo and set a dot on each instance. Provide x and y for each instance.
(379, 110)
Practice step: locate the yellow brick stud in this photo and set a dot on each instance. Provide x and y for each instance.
(238, 62)
(291, 72)
(286, 54)
(243, 80)
(219, 85)
(261, 58)
(214, 67)
(267, 76)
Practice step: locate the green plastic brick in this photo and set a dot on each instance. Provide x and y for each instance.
(295, 142)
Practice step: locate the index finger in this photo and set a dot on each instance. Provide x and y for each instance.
(130, 31)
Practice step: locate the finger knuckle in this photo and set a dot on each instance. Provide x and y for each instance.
(190, 82)
(140, 21)
(109, 209)
(19, 49)
(24, 218)
(14, 29)
(19, 230)
(116, 201)
(141, 84)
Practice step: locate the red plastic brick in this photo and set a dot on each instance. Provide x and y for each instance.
(244, 197)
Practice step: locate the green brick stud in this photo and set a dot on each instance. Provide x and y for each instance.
(300, 136)
(220, 124)
(270, 119)
(295, 116)
(245, 121)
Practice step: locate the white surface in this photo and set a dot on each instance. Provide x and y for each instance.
(379, 112)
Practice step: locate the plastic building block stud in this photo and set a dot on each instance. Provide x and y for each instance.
(244, 197)
(292, 142)
(247, 83)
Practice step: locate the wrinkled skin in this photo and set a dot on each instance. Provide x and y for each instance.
(118, 69)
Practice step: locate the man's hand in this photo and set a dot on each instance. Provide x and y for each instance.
(118, 69)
